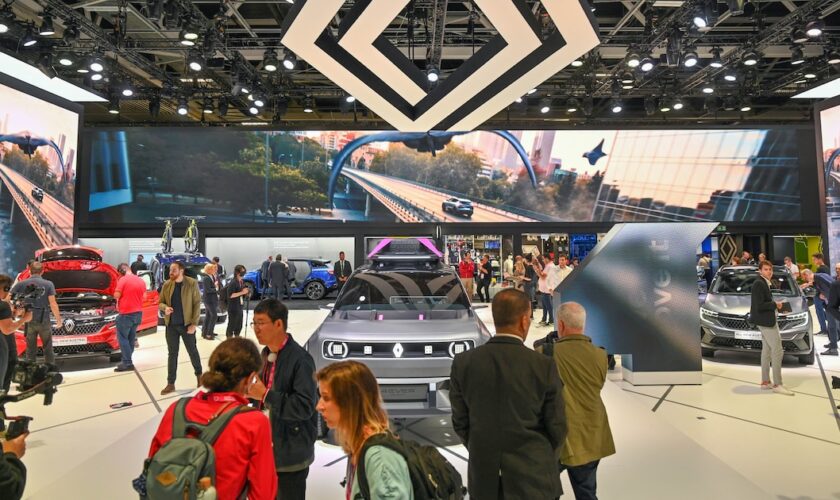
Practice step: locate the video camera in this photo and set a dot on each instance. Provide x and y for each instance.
(32, 378)
(26, 299)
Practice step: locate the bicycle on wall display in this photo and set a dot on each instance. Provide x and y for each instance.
(191, 235)
(166, 239)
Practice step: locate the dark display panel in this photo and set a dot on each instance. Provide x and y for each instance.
(239, 176)
(830, 143)
(38, 153)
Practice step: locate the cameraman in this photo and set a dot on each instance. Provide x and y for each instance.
(12, 470)
(40, 325)
(8, 326)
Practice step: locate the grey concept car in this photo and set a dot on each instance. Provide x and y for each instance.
(724, 324)
(406, 317)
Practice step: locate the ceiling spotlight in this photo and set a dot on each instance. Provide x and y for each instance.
(814, 28)
(432, 73)
(96, 64)
(650, 105)
(690, 58)
(349, 99)
(270, 62)
(627, 77)
(730, 103)
(532, 91)
(798, 35)
(308, 105)
(245, 88)
(716, 60)
(616, 106)
(750, 58)
(254, 110)
(810, 75)
(183, 109)
(627, 86)
(65, 60)
(46, 28)
(518, 100)
(190, 31)
(572, 105)
(259, 100)
(207, 109)
(730, 75)
(832, 56)
(186, 38)
(545, 105)
(7, 18)
(796, 55)
(289, 60)
(114, 106)
(28, 39)
(678, 104)
(708, 88)
(633, 59)
(700, 20)
(97, 77)
(664, 105)
(577, 63)
(127, 91)
(745, 105)
(195, 61)
(647, 64)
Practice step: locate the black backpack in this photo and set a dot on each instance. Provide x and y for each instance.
(224, 297)
(432, 476)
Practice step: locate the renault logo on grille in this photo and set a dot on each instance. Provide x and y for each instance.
(398, 350)
(69, 325)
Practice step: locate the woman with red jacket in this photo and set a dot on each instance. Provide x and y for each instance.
(244, 455)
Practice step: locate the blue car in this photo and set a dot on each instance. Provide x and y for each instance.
(193, 267)
(313, 278)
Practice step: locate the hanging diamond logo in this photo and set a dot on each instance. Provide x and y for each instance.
(363, 62)
(398, 350)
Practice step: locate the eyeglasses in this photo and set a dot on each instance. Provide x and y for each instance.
(259, 323)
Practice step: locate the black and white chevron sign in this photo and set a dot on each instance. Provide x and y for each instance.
(366, 65)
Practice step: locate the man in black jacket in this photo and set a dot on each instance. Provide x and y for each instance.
(264, 277)
(341, 270)
(278, 277)
(507, 408)
(286, 388)
(763, 314)
(833, 310)
(12, 470)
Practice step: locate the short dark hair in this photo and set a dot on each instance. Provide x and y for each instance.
(765, 263)
(216, 260)
(341, 252)
(239, 270)
(818, 255)
(179, 263)
(36, 268)
(139, 256)
(231, 361)
(5, 282)
(562, 256)
(508, 306)
(274, 309)
(279, 257)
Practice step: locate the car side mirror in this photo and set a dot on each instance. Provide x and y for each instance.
(810, 292)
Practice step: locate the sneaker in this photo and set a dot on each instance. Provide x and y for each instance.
(168, 389)
(124, 368)
(542, 323)
(830, 352)
(780, 389)
(827, 346)
(766, 386)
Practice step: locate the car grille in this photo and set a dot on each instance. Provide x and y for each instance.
(86, 328)
(787, 345)
(385, 350)
(101, 347)
(740, 323)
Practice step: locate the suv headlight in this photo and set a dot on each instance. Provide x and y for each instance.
(111, 317)
(336, 350)
(708, 315)
(458, 347)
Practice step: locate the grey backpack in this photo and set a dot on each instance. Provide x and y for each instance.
(174, 471)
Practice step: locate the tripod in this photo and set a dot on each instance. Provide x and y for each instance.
(247, 310)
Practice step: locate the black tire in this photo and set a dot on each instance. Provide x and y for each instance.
(315, 290)
(707, 353)
(808, 359)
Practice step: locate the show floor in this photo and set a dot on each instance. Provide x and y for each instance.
(724, 439)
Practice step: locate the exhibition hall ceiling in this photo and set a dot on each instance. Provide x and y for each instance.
(232, 62)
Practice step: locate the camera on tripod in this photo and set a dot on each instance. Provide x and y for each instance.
(26, 299)
(32, 378)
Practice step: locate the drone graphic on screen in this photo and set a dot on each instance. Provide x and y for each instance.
(424, 142)
(596, 154)
(28, 143)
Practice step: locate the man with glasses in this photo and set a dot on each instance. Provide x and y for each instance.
(286, 390)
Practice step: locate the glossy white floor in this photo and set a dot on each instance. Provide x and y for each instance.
(723, 439)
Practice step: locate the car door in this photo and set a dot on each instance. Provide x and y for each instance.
(150, 302)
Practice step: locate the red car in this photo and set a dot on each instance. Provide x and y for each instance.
(84, 286)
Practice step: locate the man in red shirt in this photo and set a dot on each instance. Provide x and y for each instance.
(466, 270)
(130, 292)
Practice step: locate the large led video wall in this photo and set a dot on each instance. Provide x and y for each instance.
(830, 142)
(239, 176)
(38, 148)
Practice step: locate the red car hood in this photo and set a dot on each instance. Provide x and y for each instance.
(79, 276)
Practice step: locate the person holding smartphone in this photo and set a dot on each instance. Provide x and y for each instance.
(763, 311)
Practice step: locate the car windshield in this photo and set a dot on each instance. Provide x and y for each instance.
(740, 282)
(403, 290)
(191, 270)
